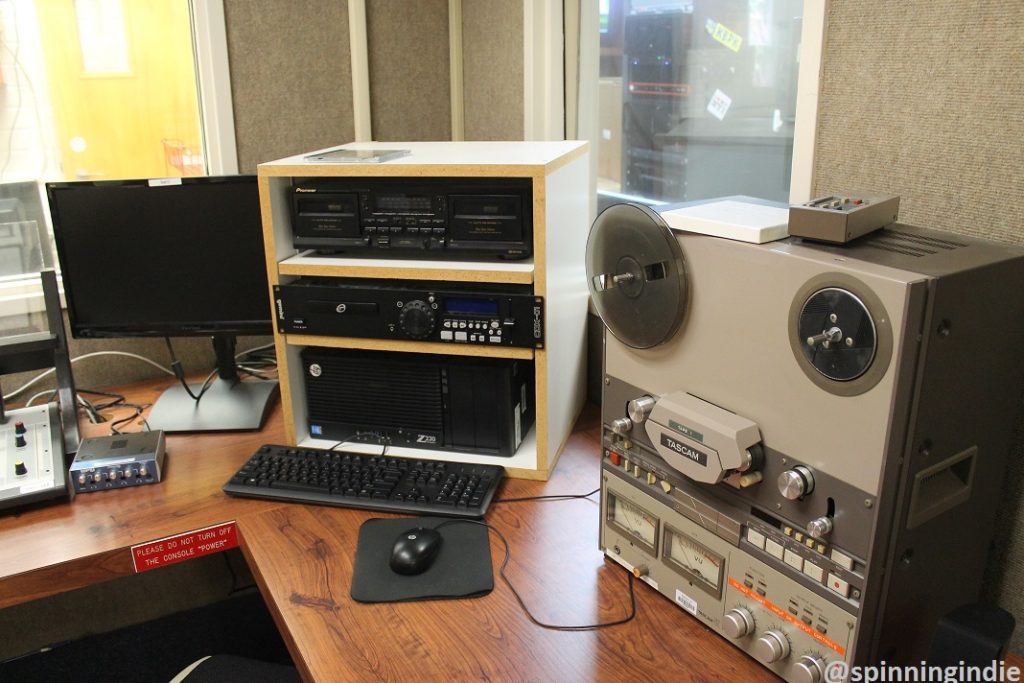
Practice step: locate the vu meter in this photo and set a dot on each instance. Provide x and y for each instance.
(635, 521)
(694, 561)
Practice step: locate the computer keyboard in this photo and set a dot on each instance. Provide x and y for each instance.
(373, 482)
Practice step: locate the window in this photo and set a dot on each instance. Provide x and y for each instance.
(697, 98)
(101, 90)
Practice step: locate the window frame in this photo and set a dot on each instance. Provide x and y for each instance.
(579, 64)
(20, 294)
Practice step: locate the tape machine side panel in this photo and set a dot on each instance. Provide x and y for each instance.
(734, 351)
(962, 435)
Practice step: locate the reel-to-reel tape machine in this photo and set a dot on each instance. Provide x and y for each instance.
(804, 444)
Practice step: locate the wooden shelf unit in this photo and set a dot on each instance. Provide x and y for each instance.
(559, 172)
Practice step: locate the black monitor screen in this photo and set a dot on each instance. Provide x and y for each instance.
(178, 257)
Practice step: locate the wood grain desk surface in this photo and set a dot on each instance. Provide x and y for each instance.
(62, 546)
(302, 557)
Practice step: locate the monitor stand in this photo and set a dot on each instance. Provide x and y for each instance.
(228, 405)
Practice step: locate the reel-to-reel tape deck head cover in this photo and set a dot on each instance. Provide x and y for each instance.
(804, 444)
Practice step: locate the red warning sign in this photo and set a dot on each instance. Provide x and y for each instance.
(186, 546)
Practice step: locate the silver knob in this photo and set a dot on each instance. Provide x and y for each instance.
(97, 477)
(622, 425)
(142, 471)
(820, 527)
(112, 475)
(737, 623)
(809, 669)
(796, 483)
(771, 647)
(639, 408)
(832, 334)
(81, 479)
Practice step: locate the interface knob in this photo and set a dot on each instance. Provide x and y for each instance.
(622, 425)
(809, 669)
(772, 647)
(639, 408)
(820, 527)
(416, 319)
(796, 483)
(20, 469)
(737, 622)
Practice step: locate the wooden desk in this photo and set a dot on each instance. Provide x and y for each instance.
(61, 546)
(302, 557)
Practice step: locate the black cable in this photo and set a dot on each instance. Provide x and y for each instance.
(382, 441)
(557, 496)
(519, 599)
(252, 373)
(255, 360)
(90, 410)
(117, 401)
(179, 372)
(138, 411)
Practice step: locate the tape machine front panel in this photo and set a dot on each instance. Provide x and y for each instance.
(736, 350)
(757, 607)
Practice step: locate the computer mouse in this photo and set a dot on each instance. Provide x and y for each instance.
(415, 550)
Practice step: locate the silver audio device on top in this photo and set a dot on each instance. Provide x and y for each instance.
(804, 443)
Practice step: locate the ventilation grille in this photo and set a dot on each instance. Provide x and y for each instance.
(910, 245)
(376, 393)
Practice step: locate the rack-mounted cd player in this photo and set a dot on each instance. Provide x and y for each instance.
(451, 312)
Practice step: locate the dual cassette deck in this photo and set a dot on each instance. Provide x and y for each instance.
(803, 443)
(426, 217)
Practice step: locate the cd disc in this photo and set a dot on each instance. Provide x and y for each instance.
(636, 275)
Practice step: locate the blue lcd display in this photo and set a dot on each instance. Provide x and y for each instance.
(471, 306)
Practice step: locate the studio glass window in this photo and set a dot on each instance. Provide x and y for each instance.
(697, 98)
(91, 90)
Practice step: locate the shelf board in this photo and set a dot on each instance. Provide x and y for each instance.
(409, 346)
(524, 459)
(515, 272)
(450, 159)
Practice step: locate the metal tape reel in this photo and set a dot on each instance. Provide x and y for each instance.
(840, 334)
(636, 275)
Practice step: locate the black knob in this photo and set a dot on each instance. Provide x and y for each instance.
(19, 468)
(19, 441)
(416, 319)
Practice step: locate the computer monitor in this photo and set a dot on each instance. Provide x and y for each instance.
(170, 258)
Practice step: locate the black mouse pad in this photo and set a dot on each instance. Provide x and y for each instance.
(462, 568)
